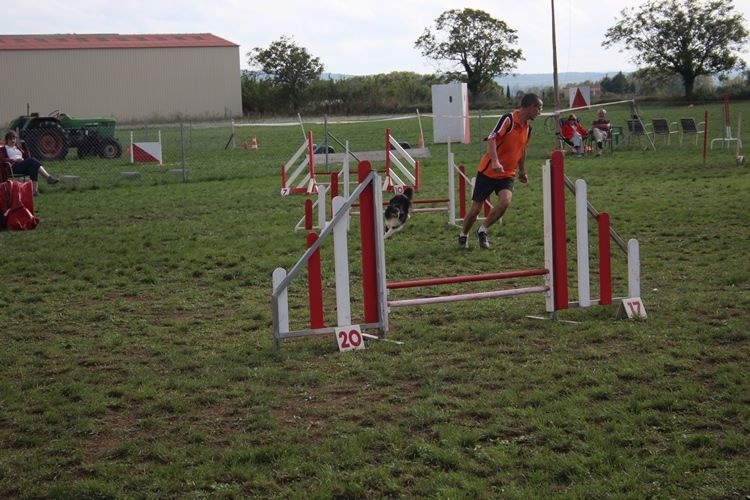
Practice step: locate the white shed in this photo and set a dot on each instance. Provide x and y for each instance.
(131, 78)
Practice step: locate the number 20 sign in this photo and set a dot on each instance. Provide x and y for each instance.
(349, 338)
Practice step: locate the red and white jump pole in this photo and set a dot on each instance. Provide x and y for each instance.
(304, 164)
(557, 234)
(373, 258)
(394, 153)
(466, 279)
(555, 240)
(319, 206)
(728, 138)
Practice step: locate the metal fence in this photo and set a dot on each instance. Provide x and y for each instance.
(198, 151)
(151, 154)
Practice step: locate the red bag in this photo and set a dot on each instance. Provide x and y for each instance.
(17, 206)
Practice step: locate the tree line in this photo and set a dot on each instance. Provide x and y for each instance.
(680, 46)
(406, 92)
(397, 92)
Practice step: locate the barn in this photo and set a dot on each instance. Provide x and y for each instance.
(132, 78)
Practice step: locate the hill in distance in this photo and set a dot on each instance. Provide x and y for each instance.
(527, 81)
(531, 80)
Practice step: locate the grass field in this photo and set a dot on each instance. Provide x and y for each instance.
(137, 354)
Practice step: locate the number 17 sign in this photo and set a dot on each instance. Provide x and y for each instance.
(632, 308)
(349, 338)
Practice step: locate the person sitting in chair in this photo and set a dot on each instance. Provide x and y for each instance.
(573, 134)
(600, 130)
(23, 164)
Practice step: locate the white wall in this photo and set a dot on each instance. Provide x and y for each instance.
(127, 84)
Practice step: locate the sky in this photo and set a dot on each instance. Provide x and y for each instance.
(352, 37)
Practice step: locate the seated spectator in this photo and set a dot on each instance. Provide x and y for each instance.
(573, 133)
(600, 130)
(23, 163)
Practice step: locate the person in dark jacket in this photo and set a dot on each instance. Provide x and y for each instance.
(22, 163)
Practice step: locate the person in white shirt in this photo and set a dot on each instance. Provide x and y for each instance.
(600, 130)
(24, 164)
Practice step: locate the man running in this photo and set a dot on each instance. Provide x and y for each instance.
(506, 155)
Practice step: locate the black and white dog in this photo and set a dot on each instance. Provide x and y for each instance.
(397, 212)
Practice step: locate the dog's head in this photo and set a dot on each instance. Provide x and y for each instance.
(392, 212)
(394, 217)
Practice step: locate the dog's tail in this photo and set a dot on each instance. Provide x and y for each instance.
(409, 192)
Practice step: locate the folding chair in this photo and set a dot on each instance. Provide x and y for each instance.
(689, 127)
(614, 138)
(662, 127)
(585, 140)
(6, 167)
(636, 129)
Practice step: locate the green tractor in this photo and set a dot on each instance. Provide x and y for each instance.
(50, 137)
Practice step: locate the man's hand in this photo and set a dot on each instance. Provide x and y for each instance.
(496, 166)
(523, 177)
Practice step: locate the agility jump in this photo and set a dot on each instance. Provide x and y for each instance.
(400, 164)
(375, 301)
(459, 191)
(728, 138)
(298, 175)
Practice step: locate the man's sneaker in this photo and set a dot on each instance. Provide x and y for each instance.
(483, 241)
(463, 241)
(52, 180)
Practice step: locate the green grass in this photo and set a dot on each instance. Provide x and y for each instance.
(137, 354)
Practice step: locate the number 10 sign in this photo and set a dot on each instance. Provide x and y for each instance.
(349, 338)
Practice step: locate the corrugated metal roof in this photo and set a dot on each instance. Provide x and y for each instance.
(110, 41)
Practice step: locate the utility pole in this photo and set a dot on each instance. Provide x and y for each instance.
(554, 76)
(554, 59)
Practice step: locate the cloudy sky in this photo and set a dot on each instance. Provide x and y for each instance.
(355, 37)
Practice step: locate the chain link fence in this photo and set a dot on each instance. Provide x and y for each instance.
(153, 154)
(148, 154)
(194, 151)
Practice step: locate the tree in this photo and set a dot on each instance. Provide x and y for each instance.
(474, 41)
(618, 84)
(290, 67)
(688, 38)
(257, 94)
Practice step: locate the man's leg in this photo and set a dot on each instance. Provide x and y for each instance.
(503, 202)
(505, 196)
(469, 220)
(471, 216)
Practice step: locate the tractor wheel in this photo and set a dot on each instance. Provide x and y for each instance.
(109, 149)
(47, 142)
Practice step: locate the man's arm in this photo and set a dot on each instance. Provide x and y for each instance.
(522, 169)
(492, 151)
